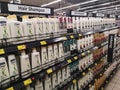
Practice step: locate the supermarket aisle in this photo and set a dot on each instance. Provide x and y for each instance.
(114, 84)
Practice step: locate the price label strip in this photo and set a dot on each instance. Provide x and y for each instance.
(80, 35)
(21, 47)
(11, 88)
(27, 82)
(43, 42)
(75, 58)
(69, 61)
(74, 81)
(2, 51)
(49, 71)
(83, 54)
(71, 36)
(83, 73)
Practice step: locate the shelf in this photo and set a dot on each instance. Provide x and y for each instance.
(15, 48)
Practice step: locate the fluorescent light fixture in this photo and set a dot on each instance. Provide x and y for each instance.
(74, 5)
(55, 1)
(103, 8)
(94, 6)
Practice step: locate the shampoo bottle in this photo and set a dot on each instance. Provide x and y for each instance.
(15, 27)
(4, 31)
(4, 73)
(25, 65)
(39, 85)
(44, 55)
(36, 62)
(13, 68)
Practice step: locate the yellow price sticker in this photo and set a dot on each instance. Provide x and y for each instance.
(43, 42)
(83, 73)
(21, 47)
(96, 64)
(72, 36)
(69, 61)
(64, 38)
(11, 88)
(27, 82)
(74, 81)
(90, 85)
(89, 69)
(75, 58)
(49, 71)
(80, 35)
(88, 51)
(2, 51)
(83, 54)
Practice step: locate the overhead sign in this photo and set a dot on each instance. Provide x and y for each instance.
(100, 15)
(112, 16)
(28, 9)
(77, 13)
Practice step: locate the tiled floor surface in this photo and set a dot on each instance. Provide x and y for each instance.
(114, 84)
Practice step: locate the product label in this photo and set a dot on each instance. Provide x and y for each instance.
(13, 67)
(44, 55)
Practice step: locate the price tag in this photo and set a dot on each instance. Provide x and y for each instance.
(2, 51)
(43, 42)
(80, 35)
(21, 47)
(49, 71)
(72, 36)
(96, 64)
(11, 88)
(89, 69)
(90, 85)
(75, 58)
(83, 73)
(27, 82)
(83, 54)
(74, 81)
(88, 51)
(64, 38)
(69, 61)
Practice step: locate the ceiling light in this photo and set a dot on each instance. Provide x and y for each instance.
(102, 8)
(94, 6)
(55, 1)
(74, 5)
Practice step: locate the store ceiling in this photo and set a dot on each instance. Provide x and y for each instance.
(81, 5)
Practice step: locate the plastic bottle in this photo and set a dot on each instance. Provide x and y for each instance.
(4, 31)
(15, 27)
(25, 65)
(13, 68)
(36, 62)
(28, 29)
(4, 74)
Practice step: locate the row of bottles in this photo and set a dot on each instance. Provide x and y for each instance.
(83, 82)
(28, 28)
(85, 42)
(85, 62)
(28, 62)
